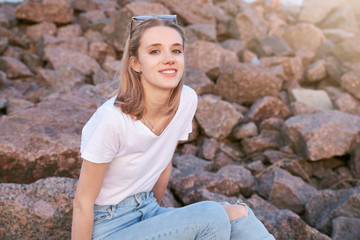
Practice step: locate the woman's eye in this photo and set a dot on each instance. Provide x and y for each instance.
(177, 51)
(154, 51)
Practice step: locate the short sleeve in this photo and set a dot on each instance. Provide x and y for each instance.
(100, 138)
(192, 97)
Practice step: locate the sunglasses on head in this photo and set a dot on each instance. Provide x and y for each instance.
(144, 18)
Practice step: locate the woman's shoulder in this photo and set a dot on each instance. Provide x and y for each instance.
(189, 94)
(109, 112)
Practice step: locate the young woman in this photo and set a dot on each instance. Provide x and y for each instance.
(127, 147)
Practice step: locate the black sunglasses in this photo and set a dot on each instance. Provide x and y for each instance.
(144, 18)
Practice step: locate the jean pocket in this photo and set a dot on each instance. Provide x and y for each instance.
(100, 216)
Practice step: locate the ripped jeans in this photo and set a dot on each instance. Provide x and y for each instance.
(139, 217)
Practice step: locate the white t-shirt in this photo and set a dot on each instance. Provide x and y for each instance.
(137, 155)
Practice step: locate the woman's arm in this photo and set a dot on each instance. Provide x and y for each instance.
(161, 184)
(88, 188)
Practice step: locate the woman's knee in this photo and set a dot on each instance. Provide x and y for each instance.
(235, 211)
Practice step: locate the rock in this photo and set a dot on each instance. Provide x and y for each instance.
(42, 141)
(327, 205)
(35, 32)
(256, 203)
(284, 190)
(246, 83)
(272, 123)
(42, 209)
(350, 81)
(76, 44)
(285, 224)
(232, 151)
(342, 18)
(14, 68)
(343, 101)
(317, 99)
(209, 148)
(189, 164)
(345, 228)
(95, 20)
(12, 38)
(249, 24)
(241, 176)
(205, 32)
(48, 11)
(316, 71)
(84, 5)
(31, 60)
(337, 35)
(304, 35)
(3, 44)
(292, 67)
(192, 11)
(64, 78)
(267, 107)
(245, 130)
(216, 117)
(315, 11)
(355, 161)
(59, 57)
(322, 135)
(71, 30)
(348, 50)
(266, 139)
(209, 57)
(274, 46)
(220, 160)
(99, 50)
(169, 200)
(300, 108)
(16, 105)
(206, 195)
(187, 188)
(198, 81)
(237, 46)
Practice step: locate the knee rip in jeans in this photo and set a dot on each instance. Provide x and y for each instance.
(236, 211)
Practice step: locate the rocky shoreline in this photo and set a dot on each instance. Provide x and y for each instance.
(277, 125)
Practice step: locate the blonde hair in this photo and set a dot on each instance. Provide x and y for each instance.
(130, 96)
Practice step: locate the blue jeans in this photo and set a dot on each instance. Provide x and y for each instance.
(139, 217)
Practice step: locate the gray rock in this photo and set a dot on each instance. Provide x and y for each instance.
(198, 81)
(327, 205)
(284, 190)
(285, 224)
(322, 135)
(216, 117)
(317, 99)
(274, 45)
(189, 164)
(209, 148)
(343, 101)
(345, 228)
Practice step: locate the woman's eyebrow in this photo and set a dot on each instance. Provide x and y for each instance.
(159, 44)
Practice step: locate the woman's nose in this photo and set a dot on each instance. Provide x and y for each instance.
(168, 58)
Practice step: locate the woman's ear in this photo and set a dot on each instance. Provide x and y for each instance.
(135, 65)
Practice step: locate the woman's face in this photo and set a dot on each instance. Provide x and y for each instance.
(160, 58)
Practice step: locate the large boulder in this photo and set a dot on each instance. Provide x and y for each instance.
(327, 205)
(42, 141)
(284, 190)
(49, 11)
(41, 210)
(314, 11)
(245, 83)
(216, 117)
(323, 134)
(209, 57)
